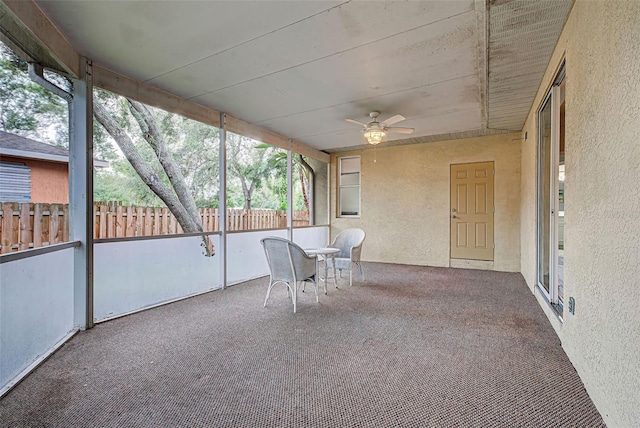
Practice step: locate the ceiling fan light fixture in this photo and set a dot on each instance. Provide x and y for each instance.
(374, 136)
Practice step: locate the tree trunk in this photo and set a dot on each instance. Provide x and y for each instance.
(147, 175)
(247, 192)
(305, 182)
(303, 179)
(151, 134)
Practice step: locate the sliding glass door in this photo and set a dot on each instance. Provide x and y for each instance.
(550, 198)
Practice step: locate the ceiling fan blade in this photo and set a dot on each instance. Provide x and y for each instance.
(400, 130)
(393, 119)
(356, 122)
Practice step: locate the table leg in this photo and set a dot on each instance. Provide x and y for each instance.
(325, 275)
(335, 277)
(318, 276)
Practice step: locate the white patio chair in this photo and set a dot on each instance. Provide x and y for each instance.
(288, 264)
(349, 242)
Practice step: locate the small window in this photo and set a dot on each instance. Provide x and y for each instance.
(349, 187)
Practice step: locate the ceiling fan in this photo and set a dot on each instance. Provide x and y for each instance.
(375, 131)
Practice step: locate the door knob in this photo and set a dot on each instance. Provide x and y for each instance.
(454, 216)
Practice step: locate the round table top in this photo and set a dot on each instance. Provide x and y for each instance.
(325, 250)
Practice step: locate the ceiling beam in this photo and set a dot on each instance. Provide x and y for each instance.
(482, 28)
(130, 88)
(39, 29)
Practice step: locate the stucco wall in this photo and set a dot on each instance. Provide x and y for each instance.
(405, 200)
(601, 41)
(49, 180)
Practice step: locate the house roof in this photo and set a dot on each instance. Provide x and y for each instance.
(15, 145)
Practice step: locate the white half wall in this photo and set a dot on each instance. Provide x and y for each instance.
(312, 237)
(137, 274)
(245, 256)
(36, 309)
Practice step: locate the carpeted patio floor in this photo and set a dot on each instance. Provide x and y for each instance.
(408, 347)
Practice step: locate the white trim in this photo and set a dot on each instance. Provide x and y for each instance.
(34, 365)
(33, 252)
(155, 305)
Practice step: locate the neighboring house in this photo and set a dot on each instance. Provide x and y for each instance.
(32, 171)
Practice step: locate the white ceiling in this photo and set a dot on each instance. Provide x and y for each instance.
(300, 68)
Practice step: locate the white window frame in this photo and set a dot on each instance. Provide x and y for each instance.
(349, 186)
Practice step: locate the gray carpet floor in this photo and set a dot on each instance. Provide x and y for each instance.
(408, 347)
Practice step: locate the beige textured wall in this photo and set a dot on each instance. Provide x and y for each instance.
(405, 200)
(601, 41)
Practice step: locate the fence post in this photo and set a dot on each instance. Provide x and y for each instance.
(119, 222)
(130, 229)
(156, 221)
(164, 229)
(7, 227)
(37, 225)
(46, 224)
(139, 222)
(96, 222)
(54, 224)
(66, 226)
(103, 221)
(26, 232)
(148, 222)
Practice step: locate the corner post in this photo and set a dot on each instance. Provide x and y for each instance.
(222, 199)
(290, 192)
(81, 193)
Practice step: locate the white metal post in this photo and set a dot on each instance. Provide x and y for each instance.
(328, 195)
(222, 200)
(289, 192)
(81, 194)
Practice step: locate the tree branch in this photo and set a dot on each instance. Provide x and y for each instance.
(152, 135)
(147, 175)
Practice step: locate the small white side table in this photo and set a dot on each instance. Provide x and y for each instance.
(327, 252)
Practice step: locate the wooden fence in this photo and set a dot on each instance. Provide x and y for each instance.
(28, 225)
